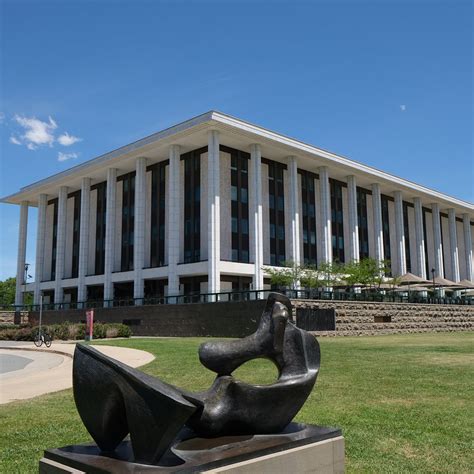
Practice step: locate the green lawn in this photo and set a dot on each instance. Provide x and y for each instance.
(405, 402)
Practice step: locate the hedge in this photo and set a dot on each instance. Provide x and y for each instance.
(66, 331)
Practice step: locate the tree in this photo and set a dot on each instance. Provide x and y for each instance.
(287, 276)
(7, 293)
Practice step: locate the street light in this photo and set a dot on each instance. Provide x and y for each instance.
(433, 273)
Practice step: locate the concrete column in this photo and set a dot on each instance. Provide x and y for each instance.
(139, 230)
(111, 195)
(453, 245)
(40, 235)
(83, 239)
(353, 219)
(213, 209)
(21, 257)
(257, 210)
(400, 234)
(378, 229)
(468, 246)
(325, 213)
(60, 244)
(295, 254)
(438, 246)
(420, 239)
(173, 221)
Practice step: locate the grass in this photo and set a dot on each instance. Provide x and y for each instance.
(404, 402)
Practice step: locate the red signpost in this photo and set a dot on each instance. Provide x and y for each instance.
(90, 325)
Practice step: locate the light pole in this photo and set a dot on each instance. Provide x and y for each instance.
(433, 274)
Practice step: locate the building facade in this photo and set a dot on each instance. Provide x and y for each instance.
(206, 205)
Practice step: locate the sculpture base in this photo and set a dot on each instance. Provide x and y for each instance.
(299, 448)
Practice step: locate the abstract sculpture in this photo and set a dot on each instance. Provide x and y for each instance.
(114, 400)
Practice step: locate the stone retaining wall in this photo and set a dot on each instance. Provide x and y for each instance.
(365, 319)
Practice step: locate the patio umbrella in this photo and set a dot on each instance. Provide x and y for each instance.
(466, 284)
(411, 279)
(444, 283)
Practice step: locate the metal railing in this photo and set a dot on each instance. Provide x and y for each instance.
(248, 295)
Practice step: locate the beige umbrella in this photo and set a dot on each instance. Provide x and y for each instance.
(466, 284)
(413, 288)
(411, 279)
(444, 283)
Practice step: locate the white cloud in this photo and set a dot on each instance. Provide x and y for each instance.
(67, 156)
(403, 107)
(67, 140)
(37, 132)
(15, 140)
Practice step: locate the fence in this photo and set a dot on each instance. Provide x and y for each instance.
(247, 295)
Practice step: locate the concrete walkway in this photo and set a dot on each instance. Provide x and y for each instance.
(51, 368)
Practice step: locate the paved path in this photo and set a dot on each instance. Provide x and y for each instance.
(50, 370)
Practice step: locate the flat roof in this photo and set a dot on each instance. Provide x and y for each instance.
(254, 133)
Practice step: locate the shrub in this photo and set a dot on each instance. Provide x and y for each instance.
(66, 331)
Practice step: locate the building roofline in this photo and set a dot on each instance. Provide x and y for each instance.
(243, 126)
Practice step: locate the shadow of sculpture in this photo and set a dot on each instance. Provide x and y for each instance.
(114, 400)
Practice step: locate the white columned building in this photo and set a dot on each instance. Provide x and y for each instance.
(378, 229)
(60, 244)
(173, 221)
(453, 245)
(467, 226)
(438, 246)
(110, 234)
(420, 239)
(400, 234)
(257, 211)
(40, 243)
(213, 210)
(325, 199)
(294, 211)
(21, 257)
(212, 203)
(353, 218)
(84, 238)
(139, 229)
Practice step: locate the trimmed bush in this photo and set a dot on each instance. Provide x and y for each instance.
(66, 331)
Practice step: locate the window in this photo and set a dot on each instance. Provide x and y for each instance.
(101, 189)
(54, 202)
(128, 218)
(337, 223)
(76, 234)
(239, 204)
(158, 214)
(362, 223)
(309, 217)
(406, 230)
(276, 202)
(192, 205)
(386, 228)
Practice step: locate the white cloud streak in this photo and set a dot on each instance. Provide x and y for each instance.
(67, 140)
(15, 140)
(403, 107)
(37, 132)
(67, 156)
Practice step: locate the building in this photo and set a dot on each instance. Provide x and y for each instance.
(204, 205)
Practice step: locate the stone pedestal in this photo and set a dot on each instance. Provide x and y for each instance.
(299, 449)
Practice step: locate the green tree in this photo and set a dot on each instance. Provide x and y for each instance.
(7, 291)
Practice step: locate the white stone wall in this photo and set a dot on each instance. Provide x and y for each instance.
(252, 198)
(167, 214)
(266, 216)
(225, 207)
(147, 242)
(204, 213)
(118, 226)
(48, 240)
(286, 194)
(69, 238)
(300, 200)
(92, 233)
(461, 250)
(370, 225)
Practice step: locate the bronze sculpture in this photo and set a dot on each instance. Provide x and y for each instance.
(114, 400)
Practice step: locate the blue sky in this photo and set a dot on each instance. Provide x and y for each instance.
(386, 83)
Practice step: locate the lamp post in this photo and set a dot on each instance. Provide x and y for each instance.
(433, 273)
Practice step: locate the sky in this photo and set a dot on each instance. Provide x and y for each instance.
(387, 83)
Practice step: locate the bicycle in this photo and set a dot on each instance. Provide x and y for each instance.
(42, 337)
